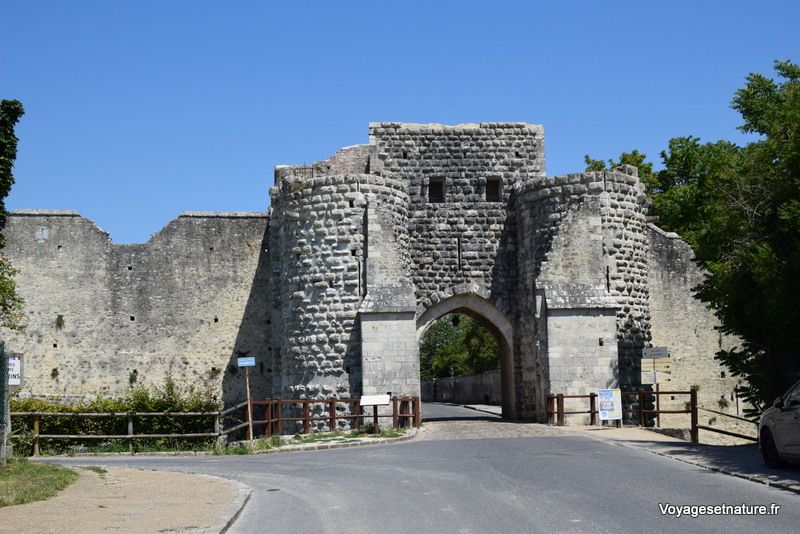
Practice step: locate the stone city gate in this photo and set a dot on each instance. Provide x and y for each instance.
(368, 247)
(332, 288)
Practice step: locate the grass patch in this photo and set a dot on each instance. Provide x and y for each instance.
(23, 482)
(344, 437)
(386, 433)
(301, 439)
(257, 445)
(265, 444)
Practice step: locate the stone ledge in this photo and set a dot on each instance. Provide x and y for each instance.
(224, 214)
(38, 212)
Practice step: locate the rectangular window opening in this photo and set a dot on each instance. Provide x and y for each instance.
(493, 190)
(436, 191)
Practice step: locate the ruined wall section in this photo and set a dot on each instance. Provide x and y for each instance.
(464, 239)
(353, 159)
(62, 261)
(182, 305)
(317, 239)
(689, 329)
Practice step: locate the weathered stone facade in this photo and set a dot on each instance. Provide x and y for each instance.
(359, 255)
(101, 316)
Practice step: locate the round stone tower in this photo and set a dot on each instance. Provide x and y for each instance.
(318, 259)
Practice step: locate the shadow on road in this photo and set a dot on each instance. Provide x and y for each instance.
(740, 459)
(441, 411)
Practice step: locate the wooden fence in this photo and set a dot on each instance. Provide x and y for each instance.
(556, 414)
(405, 413)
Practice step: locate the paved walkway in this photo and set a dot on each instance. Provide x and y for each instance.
(742, 461)
(132, 501)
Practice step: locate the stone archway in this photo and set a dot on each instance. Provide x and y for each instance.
(491, 318)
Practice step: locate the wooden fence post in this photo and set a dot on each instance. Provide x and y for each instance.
(560, 409)
(693, 407)
(356, 413)
(395, 414)
(130, 433)
(332, 410)
(658, 408)
(218, 427)
(641, 408)
(592, 410)
(249, 413)
(36, 435)
(417, 413)
(305, 416)
(270, 418)
(280, 415)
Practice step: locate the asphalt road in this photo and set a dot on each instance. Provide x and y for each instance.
(546, 483)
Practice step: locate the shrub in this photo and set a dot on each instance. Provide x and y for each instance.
(164, 399)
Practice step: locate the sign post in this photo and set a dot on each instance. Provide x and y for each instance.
(610, 405)
(5, 420)
(247, 363)
(653, 353)
(375, 401)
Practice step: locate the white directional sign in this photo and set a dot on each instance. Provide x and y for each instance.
(14, 370)
(374, 400)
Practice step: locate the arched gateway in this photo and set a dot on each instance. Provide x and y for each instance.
(493, 320)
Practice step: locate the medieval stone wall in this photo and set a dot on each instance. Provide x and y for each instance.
(361, 252)
(102, 317)
(688, 329)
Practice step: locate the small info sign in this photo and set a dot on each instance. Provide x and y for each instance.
(375, 400)
(610, 404)
(14, 370)
(249, 361)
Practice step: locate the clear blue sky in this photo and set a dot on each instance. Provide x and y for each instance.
(137, 111)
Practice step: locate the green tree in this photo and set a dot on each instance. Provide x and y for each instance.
(457, 345)
(683, 192)
(635, 158)
(739, 209)
(750, 242)
(10, 302)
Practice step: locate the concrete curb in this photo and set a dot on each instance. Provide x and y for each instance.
(239, 502)
(475, 408)
(412, 433)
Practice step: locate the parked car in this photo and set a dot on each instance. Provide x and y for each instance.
(779, 429)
